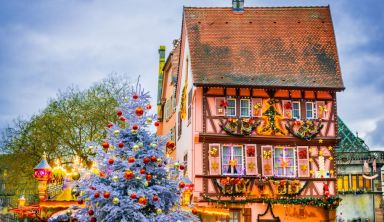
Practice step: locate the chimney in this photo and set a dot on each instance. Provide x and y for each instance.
(238, 5)
(160, 78)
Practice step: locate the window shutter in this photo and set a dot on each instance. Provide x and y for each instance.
(250, 160)
(214, 159)
(267, 161)
(257, 107)
(302, 161)
(219, 108)
(321, 109)
(287, 109)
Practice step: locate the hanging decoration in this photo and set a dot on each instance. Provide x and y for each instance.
(214, 152)
(215, 165)
(271, 120)
(248, 126)
(327, 203)
(306, 130)
(183, 102)
(232, 186)
(267, 154)
(251, 151)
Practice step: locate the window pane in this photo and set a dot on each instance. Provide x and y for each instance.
(354, 183)
(296, 110)
(339, 183)
(367, 184)
(231, 108)
(361, 185)
(346, 183)
(226, 157)
(309, 108)
(237, 155)
(244, 107)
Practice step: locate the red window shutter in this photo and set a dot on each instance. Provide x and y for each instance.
(214, 159)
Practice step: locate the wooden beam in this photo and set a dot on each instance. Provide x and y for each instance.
(270, 140)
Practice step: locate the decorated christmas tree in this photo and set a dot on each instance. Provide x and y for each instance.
(131, 179)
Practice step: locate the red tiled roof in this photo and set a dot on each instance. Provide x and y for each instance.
(291, 47)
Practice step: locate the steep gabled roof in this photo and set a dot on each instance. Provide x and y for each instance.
(349, 141)
(290, 47)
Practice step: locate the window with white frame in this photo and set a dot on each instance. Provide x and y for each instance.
(284, 161)
(232, 160)
(231, 107)
(296, 110)
(310, 110)
(244, 108)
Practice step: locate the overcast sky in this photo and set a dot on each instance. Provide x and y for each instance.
(46, 46)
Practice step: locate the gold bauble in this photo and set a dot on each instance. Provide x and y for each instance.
(115, 200)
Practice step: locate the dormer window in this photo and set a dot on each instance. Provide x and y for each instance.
(244, 108)
(231, 107)
(296, 110)
(310, 110)
(238, 5)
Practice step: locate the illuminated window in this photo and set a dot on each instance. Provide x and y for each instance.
(284, 161)
(232, 160)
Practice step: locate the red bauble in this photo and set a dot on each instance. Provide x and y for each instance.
(143, 200)
(111, 161)
(182, 167)
(181, 184)
(119, 113)
(107, 194)
(194, 211)
(128, 174)
(139, 111)
(155, 198)
(97, 195)
(91, 212)
(92, 188)
(135, 96)
(146, 160)
(142, 171)
(93, 219)
(135, 127)
(122, 118)
(149, 106)
(80, 201)
(170, 144)
(102, 174)
(153, 158)
(133, 196)
(121, 145)
(131, 159)
(149, 177)
(159, 165)
(157, 124)
(105, 145)
(110, 125)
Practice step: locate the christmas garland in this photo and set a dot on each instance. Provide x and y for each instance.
(247, 127)
(326, 203)
(308, 130)
(232, 187)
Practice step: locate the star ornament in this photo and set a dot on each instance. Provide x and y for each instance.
(233, 163)
(321, 141)
(267, 168)
(304, 168)
(330, 158)
(251, 166)
(215, 165)
(311, 172)
(330, 148)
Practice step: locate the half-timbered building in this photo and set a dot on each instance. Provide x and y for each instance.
(256, 112)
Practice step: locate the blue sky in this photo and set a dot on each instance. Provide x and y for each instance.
(46, 46)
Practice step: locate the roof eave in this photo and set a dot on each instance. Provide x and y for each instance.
(337, 89)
